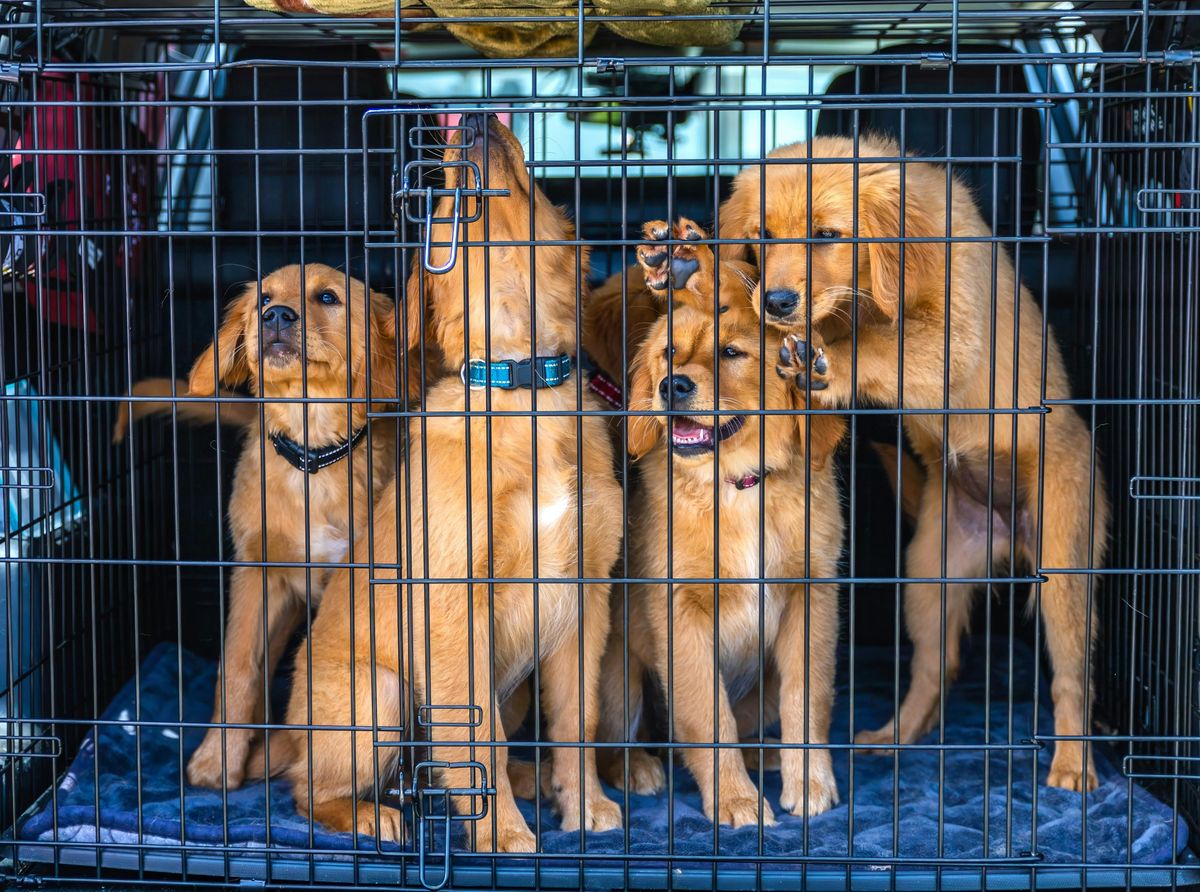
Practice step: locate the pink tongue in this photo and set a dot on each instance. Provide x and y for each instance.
(686, 432)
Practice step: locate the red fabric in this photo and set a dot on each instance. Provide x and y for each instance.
(57, 133)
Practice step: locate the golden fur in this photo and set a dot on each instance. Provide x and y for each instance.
(422, 523)
(801, 677)
(981, 373)
(266, 486)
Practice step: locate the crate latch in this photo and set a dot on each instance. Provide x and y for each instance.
(467, 207)
(935, 61)
(432, 810)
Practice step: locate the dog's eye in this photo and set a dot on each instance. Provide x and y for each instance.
(328, 298)
(266, 299)
(767, 234)
(731, 352)
(668, 353)
(828, 233)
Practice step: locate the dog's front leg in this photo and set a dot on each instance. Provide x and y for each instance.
(687, 675)
(579, 798)
(807, 664)
(239, 699)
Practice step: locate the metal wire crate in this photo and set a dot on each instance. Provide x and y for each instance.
(162, 154)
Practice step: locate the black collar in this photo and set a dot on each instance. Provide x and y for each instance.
(312, 460)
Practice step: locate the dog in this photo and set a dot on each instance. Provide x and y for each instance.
(277, 484)
(702, 476)
(988, 459)
(462, 507)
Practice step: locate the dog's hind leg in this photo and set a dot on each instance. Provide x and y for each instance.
(1069, 615)
(461, 678)
(965, 550)
(341, 767)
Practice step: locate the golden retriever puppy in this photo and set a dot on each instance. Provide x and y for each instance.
(315, 467)
(642, 290)
(967, 337)
(741, 477)
(490, 497)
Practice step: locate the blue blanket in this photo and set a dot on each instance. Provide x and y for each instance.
(1124, 823)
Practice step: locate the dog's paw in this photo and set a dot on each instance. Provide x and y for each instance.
(803, 362)
(388, 828)
(205, 767)
(868, 741)
(1067, 772)
(677, 264)
(646, 774)
(514, 837)
(599, 814)
(654, 257)
(740, 811)
(686, 259)
(808, 800)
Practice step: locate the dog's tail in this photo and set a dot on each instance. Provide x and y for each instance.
(912, 478)
(283, 754)
(238, 414)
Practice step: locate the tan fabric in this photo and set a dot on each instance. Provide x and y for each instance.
(709, 32)
(548, 38)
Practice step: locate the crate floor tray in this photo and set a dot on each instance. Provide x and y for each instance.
(105, 810)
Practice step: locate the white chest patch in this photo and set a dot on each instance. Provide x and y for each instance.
(552, 511)
(328, 543)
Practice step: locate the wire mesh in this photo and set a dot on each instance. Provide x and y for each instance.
(161, 155)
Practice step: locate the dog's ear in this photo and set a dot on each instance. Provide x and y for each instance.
(879, 217)
(224, 360)
(382, 327)
(741, 216)
(642, 432)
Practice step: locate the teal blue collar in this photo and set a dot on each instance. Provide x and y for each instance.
(509, 374)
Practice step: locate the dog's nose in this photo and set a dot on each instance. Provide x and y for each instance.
(279, 318)
(676, 388)
(781, 302)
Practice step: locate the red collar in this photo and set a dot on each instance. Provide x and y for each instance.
(604, 387)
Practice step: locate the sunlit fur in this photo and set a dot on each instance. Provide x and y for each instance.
(271, 500)
(972, 328)
(441, 520)
(792, 519)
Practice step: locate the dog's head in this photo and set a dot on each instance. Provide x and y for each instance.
(490, 290)
(805, 197)
(303, 329)
(694, 362)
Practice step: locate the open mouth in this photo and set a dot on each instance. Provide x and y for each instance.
(689, 437)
